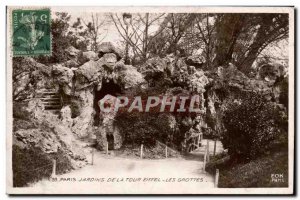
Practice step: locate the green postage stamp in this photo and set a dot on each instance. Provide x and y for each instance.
(31, 32)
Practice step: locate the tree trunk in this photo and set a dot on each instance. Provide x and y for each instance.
(228, 28)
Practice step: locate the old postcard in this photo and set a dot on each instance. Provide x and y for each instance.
(150, 100)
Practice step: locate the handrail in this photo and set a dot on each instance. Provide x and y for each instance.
(167, 146)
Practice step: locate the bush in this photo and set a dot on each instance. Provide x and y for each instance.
(251, 125)
(32, 164)
(145, 127)
(29, 166)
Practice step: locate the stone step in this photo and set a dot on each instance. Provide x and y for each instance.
(49, 107)
(50, 99)
(52, 104)
(47, 92)
(56, 112)
(49, 96)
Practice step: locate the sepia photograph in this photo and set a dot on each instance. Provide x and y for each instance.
(150, 100)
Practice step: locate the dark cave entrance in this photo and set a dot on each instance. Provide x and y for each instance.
(111, 141)
(107, 88)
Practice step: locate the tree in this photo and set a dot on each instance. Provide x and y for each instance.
(94, 30)
(173, 34)
(78, 36)
(240, 38)
(61, 40)
(269, 28)
(228, 29)
(206, 26)
(138, 31)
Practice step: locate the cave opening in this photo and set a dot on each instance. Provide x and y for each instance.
(110, 141)
(108, 87)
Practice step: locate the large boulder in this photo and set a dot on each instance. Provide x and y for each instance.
(170, 60)
(232, 76)
(127, 76)
(197, 81)
(83, 123)
(73, 63)
(108, 47)
(101, 137)
(270, 72)
(87, 56)
(29, 76)
(154, 67)
(110, 58)
(66, 116)
(109, 61)
(83, 112)
(72, 52)
(63, 77)
(196, 61)
(89, 74)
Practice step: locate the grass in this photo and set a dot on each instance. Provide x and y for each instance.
(256, 173)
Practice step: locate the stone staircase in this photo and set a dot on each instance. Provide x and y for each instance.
(51, 100)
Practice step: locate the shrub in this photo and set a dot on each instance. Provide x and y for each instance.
(251, 125)
(144, 127)
(29, 165)
(32, 164)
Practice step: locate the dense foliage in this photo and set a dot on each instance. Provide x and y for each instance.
(251, 125)
(148, 127)
(143, 128)
(31, 165)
